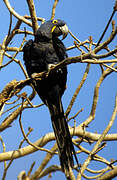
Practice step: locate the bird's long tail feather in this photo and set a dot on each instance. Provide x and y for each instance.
(63, 138)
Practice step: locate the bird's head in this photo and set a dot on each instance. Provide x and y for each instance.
(50, 29)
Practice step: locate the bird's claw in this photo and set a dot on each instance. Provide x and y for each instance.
(50, 66)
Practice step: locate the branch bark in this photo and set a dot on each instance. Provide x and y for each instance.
(33, 15)
(51, 137)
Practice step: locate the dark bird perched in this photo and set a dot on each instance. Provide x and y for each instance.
(39, 55)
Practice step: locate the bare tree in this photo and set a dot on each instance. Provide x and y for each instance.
(15, 99)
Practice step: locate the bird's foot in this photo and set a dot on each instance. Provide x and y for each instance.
(50, 66)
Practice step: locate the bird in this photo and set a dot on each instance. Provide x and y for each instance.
(40, 54)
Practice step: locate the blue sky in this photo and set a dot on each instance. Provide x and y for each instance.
(84, 18)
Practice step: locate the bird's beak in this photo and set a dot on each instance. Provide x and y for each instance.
(64, 29)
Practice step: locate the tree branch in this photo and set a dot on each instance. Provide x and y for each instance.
(33, 15)
(54, 8)
(12, 11)
(51, 137)
(87, 161)
(109, 175)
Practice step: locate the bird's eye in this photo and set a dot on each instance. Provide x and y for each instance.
(54, 21)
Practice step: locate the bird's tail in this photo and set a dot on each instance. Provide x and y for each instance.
(63, 138)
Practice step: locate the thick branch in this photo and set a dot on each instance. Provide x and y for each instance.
(109, 175)
(50, 137)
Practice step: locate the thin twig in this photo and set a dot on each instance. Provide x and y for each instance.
(96, 96)
(12, 11)
(80, 43)
(73, 117)
(33, 15)
(77, 90)
(2, 50)
(17, 26)
(29, 131)
(10, 24)
(30, 170)
(114, 10)
(24, 135)
(4, 149)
